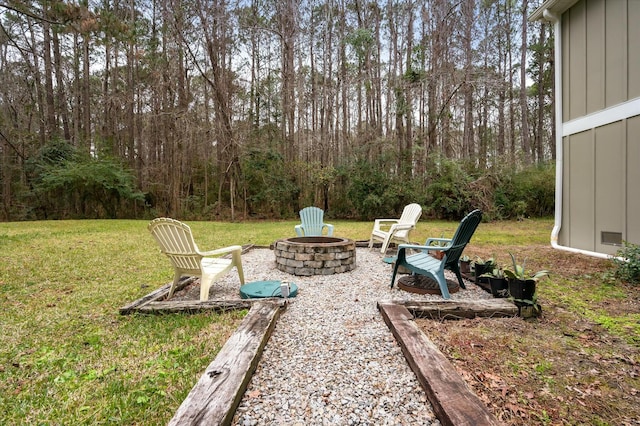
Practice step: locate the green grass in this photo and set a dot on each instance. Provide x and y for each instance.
(67, 356)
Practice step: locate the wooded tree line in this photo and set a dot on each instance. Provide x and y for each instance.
(217, 109)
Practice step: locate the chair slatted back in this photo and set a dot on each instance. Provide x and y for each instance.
(312, 219)
(176, 241)
(410, 215)
(462, 236)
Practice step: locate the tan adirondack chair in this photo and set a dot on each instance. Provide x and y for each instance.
(176, 241)
(396, 230)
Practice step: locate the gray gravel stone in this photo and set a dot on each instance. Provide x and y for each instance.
(331, 359)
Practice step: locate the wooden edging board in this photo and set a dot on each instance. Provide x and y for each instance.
(453, 401)
(214, 399)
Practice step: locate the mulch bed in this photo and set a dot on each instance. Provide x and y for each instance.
(423, 285)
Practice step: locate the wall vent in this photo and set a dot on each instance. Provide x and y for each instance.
(611, 238)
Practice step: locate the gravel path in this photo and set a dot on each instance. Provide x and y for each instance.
(331, 359)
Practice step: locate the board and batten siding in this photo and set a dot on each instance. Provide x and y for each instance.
(600, 42)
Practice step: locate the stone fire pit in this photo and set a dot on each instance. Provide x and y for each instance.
(315, 255)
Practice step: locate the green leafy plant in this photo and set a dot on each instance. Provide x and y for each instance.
(497, 272)
(441, 242)
(627, 263)
(519, 271)
(487, 264)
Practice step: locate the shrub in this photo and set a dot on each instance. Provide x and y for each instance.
(627, 263)
(526, 193)
(270, 190)
(68, 183)
(448, 194)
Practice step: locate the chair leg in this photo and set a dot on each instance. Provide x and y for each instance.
(385, 244)
(442, 282)
(395, 271)
(459, 276)
(205, 284)
(174, 285)
(237, 260)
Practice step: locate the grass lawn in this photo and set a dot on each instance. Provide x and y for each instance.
(67, 356)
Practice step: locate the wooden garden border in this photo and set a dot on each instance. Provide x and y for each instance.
(214, 399)
(453, 401)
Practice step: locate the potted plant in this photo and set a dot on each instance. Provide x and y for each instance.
(441, 242)
(498, 282)
(465, 265)
(522, 286)
(482, 267)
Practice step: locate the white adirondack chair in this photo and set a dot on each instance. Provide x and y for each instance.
(312, 219)
(176, 241)
(395, 230)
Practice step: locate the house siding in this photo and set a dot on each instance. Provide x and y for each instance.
(633, 15)
(600, 69)
(601, 57)
(579, 192)
(632, 215)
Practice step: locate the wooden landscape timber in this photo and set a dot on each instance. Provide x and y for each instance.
(443, 310)
(189, 306)
(154, 296)
(453, 401)
(214, 399)
(155, 303)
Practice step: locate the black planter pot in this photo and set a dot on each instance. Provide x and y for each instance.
(529, 310)
(522, 289)
(480, 269)
(499, 287)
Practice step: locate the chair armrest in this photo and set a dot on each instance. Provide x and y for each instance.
(403, 247)
(329, 229)
(383, 223)
(223, 250)
(438, 240)
(402, 226)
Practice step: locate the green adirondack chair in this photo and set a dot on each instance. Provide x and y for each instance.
(422, 263)
(312, 225)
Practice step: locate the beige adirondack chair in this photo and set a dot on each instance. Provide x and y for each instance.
(395, 230)
(176, 241)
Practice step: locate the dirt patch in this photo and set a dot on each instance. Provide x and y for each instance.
(562, 368)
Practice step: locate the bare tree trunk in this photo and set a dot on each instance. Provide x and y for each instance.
(468, 9)
(408, 112)
(512, 105)
(86, 94)
(526, 140)
(38, 86)
(217, 39)
(60, 87)
(541, 89)
(287, 15)
(343, 80)
(51, 122)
